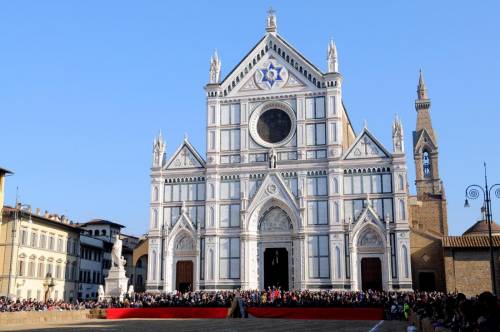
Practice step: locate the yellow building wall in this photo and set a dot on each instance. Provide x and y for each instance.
(26, 262)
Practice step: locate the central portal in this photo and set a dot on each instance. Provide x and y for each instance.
(371, 274)
(276, 268)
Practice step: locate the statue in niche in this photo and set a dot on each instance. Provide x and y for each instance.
(272, 159)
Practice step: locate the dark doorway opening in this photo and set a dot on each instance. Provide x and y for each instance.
(184, 276)
(276, 268)
(371, 274)
(426, 281)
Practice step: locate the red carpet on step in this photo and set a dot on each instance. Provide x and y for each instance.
(260, 312)
(170, 312)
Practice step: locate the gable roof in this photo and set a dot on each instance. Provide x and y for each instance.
(372, 147)
(275, 44)
(191, 159)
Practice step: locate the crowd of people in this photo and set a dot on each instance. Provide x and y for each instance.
(454, 311)
(457, 312)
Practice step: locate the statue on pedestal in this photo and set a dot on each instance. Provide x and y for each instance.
(100, 293)
(116, 254)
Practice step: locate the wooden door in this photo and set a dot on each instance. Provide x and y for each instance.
(184, 276)
(371, 274)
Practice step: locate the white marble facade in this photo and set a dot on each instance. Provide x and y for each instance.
(284, 172)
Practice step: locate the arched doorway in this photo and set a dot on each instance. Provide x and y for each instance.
(371, 273)
(276, 247)
(184, 276)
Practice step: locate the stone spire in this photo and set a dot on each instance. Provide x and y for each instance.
(398, 145)
(158, 150)
(333, 64)
(422, 106)
(422, 90)
(271, 21)
(215, 65)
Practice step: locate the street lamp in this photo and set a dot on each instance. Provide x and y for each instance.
(473, 192)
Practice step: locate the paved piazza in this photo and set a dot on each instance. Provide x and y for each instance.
(251, 324)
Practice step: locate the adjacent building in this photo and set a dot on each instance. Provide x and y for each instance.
(38, 255)
(289, 194)
(467, 259)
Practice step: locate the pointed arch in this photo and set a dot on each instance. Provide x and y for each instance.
(337, 263)
(154, 264)
(212, 217)
(155, 218)
(402, 209)
(401, 182)
(211, 264)
(406, 269)
(336, 212)
(335, 186)
(155, 194)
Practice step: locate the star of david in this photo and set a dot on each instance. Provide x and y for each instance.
(271, 74)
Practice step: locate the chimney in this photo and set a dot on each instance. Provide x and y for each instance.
(37, 211)
(46, 215)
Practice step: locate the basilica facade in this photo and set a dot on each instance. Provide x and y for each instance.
(288, 194)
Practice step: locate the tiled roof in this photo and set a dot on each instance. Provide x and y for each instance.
(470, 241)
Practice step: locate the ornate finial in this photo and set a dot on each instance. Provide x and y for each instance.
(215, 66)
(397, 135)
(365, 124)
(333, 65)
(368, 200)
(271, 20)
(421, 89)
(186, 137)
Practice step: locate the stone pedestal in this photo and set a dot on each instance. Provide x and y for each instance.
(116, 283)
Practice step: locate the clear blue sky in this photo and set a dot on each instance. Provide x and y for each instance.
(86, 85)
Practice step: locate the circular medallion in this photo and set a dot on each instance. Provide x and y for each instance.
(272, 124)
(271, 74)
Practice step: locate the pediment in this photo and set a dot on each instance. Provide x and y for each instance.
(368, 221)
(250, 75)
(273, 186)
(273, 74)
(185, 157)
(366, 146)
(422, 140)
(182, 225)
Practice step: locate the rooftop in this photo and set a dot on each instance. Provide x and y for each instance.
(102, 222)
(471, 241)
(5, 171)
(52, 219)
(481, 228)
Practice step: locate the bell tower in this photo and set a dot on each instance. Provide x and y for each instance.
(425, 148)
(428, 211)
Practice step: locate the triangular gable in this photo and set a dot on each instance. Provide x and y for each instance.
(423, 139)
(183, 223)
(273, 186)
(272, 46)
(185, 157)
(366, 146)
(368, 218)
